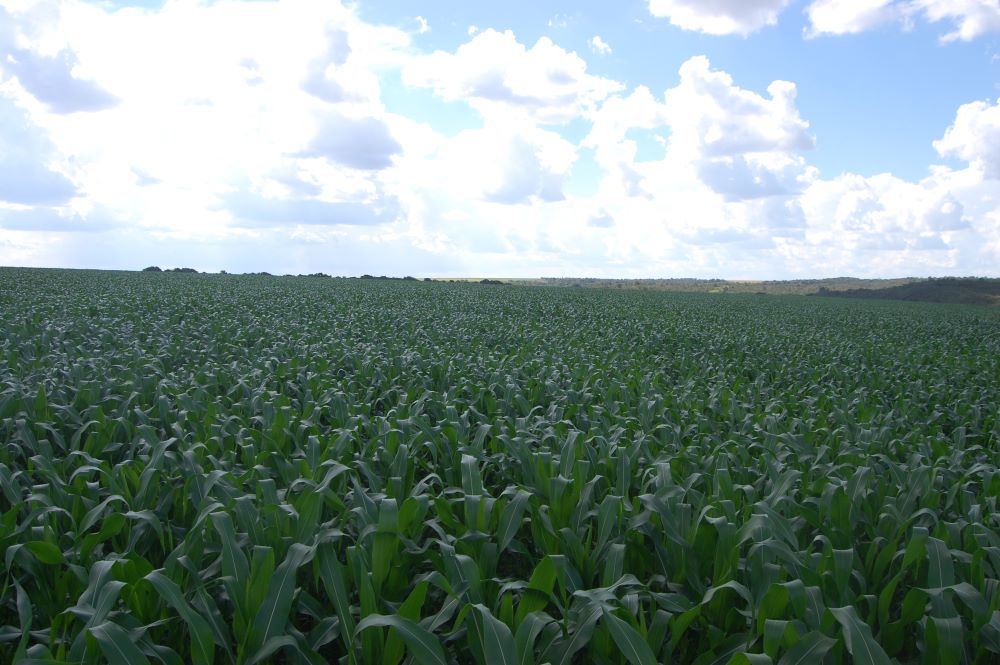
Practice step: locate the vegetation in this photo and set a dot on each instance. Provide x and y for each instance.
(757, 287)
(379, 471)
(955, 290)
(967, 290)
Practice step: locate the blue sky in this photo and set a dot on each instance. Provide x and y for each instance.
(750, 139)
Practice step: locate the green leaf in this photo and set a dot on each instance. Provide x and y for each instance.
(540, 586)
(45, 552)
(234, 562)
(421, 643)
(858, 637)
(940, 569)
(945, 639)
(498, 642)
(812, 648)
(583, 630)
(117, 645)
(333, 575)
(270, 647)
(990, 633)
(629, 642)
(527, 633)
(472, 481)
(24, 615)
(510, 519)
(750, 659)
(273, 614)
(384, 542)
(410, 609)
(202, 645)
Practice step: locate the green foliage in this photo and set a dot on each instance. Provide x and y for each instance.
(249, 469)
(963, 290)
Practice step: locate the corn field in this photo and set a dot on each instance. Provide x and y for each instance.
(235, 470)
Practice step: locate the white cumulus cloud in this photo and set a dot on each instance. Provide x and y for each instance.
(969, 18)
(743, 144)
(719, 17)
(496, 73)
(975, 137)
(598, 45)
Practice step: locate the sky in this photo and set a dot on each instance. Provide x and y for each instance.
(739, 139)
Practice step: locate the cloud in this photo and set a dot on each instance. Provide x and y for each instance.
(26, 156)
(321, 77)
(601, 220)
(841, 17)
(495, 73)
(255, 210)
(971, 18)
(422, 25)
(974, 136)
(742, 145)
(618, 114)
(734, 191)
(883, 212)
(945, 213)
(710, 114)
(361, 143)
(51, 79)
(271, 148)
(525, 164)
(599, 46)
(719, 17)
(58, 219)
(741, 177)
(525, 176)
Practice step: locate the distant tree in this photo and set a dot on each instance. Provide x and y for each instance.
(152, 269)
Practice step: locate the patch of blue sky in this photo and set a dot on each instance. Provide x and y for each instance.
(585, 175)
(650, 143)
(575, 130)
(422, 105)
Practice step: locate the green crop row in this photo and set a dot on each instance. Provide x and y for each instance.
(243, 469)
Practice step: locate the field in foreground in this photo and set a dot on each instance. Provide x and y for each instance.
(240, 470)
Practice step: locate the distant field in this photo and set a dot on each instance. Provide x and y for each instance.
(254, 469)
(956, 290)
(687, 285)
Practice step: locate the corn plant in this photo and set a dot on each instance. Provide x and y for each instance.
(236, 470)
